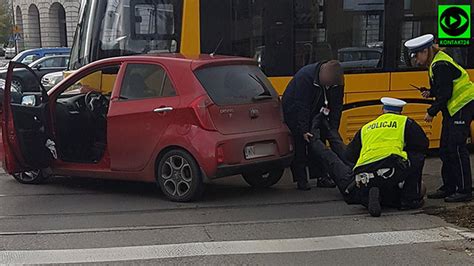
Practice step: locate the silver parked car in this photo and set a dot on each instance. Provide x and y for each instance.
(360, 57)
(51, 79)
(10, 52)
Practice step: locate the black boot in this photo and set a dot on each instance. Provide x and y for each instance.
(326, 182)
(303, 186)
(459, 197)
(439, 194)
(374, 207)
(412, 205)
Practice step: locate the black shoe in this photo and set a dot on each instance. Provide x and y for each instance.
(439, 194)
(303, 187)
(413, 205)
(326, 182)
(459, 197)
(374, 207)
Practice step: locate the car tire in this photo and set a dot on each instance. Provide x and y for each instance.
(18, 84)
(33, 177)
(263, 180)
(179, 176)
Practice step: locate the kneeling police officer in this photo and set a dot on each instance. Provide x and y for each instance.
(389, 155)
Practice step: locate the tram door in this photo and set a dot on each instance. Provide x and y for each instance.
(261, 29)
(279, 36)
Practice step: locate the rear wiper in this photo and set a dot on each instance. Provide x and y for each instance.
(262, 97)
(265, 95)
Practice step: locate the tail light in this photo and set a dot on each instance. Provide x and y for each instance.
(201, 108)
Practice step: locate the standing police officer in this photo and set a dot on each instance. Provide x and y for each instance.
(454, 97)
(389, 153)
(316, 89)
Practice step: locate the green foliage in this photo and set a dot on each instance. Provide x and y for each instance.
(5, 21)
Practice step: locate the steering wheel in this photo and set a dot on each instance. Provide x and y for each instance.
(94, 100)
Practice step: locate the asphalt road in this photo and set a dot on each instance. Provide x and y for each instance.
(71, 220)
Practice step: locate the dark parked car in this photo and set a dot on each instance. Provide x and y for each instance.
(166, 119)
(31, 55)
(41, 67)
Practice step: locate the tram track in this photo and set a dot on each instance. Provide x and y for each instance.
(171, 209)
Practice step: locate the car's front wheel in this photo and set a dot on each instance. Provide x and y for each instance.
(179, 176)
(32, 177)
(17, 85)
(263, 180)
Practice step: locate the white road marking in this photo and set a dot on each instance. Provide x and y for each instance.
(313, 244)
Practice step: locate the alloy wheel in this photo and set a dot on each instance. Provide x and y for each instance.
(177, 175)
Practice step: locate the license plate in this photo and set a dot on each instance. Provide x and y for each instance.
(259, 150)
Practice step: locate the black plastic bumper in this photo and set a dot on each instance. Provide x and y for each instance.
(229, 170)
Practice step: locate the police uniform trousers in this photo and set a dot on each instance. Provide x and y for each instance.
(456, 169)
(404, 186)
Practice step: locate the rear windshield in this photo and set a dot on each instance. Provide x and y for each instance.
(236, 84)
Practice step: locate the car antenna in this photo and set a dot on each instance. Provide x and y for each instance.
(217, 47)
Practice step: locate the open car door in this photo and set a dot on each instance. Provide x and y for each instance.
(27, 138)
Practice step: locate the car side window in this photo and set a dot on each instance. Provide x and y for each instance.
(168, 89)
(143, 81)
(52, 62)
(100, 81)
(29, 59)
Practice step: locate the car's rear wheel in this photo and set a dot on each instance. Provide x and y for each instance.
(179, 176)
(263, 180)
(32, 177)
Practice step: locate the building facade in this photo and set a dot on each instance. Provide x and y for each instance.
(45, 23)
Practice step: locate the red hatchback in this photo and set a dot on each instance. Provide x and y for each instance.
(167, 119)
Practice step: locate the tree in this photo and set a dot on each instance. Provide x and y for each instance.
(6, 21)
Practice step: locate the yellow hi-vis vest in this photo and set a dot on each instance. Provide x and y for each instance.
(381, 138)
(463, 88)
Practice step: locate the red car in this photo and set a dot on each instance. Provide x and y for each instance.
(167, 119)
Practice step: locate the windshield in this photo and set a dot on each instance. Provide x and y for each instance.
(109, 28)
(18, 56)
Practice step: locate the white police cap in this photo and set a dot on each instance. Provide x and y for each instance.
(392, 104)
(419, 43)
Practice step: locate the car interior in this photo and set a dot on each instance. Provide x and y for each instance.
(81, 117)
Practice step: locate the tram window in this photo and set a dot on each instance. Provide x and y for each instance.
(420, 17)
(351, 31)
(260, 29)
(153, 19)
(111, 28)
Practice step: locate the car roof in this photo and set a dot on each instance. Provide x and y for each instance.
(44, 49)
(47, 49)
(196, 62)
(360, 49)
(53, 56)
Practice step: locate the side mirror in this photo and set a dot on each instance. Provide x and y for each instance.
(38, 67)
(28, 100)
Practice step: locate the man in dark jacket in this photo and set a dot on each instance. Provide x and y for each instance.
(315, 90)
(389, 154)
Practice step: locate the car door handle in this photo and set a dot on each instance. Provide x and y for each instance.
(163, 109)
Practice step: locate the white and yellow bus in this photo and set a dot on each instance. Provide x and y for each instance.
(367, 36)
